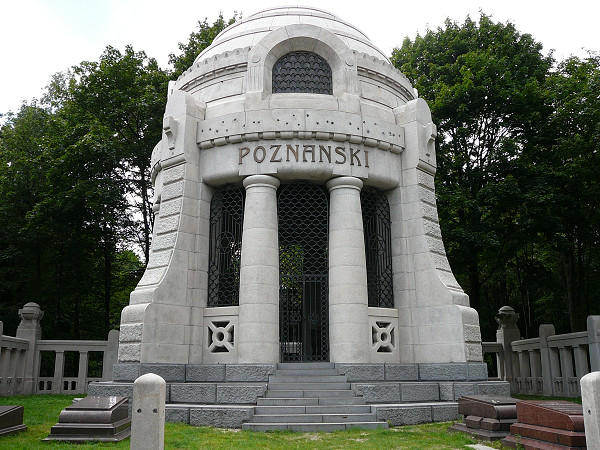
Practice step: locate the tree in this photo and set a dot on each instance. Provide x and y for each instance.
(197, 42)
(485, 85)
(121, 99)
(570, 156)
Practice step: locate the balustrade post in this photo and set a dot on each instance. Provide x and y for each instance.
(581, 361)
(507, 333)
(59, 366)
(549, 361)
(109, 358)
(536, 370)
(31, 314)
(593, 329)
(82, 372)
(566, 369)
(11, 377)
(524, 371)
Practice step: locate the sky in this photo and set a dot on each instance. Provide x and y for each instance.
(42, 37)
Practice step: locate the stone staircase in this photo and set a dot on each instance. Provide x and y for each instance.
(311, 397)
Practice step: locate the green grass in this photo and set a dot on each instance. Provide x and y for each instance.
(41, 412)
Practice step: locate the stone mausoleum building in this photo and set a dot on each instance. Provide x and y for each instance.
(296, 216)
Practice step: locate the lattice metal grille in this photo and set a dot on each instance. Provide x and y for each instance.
(376, 224)
(303, 269)
(302, 72)
(226, 218)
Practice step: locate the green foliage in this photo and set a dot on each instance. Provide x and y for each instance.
(76, 190)
(516, 160)
(197, 42)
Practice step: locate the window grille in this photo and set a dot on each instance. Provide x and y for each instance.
(226, 218)
(302, 72)
(303, 272)
(378, 250)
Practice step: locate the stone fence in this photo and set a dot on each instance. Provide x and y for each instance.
(551, 364)
(23, 358)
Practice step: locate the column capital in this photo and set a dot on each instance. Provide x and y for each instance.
(261, 180)
(344, 182)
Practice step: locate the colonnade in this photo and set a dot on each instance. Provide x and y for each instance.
(258, 337)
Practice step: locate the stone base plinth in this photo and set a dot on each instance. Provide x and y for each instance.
(11, 420)
(486, 417)
(93, 418)
(224, 395)
(547, 425)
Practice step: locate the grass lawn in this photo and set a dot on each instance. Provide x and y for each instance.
(41, 412)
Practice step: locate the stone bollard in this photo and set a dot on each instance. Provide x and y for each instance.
(148, 413)
(590, 397)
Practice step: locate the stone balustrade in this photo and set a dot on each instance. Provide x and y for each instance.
(21, 359)
(551, 364)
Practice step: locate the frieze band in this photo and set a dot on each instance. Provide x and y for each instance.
(278, 153)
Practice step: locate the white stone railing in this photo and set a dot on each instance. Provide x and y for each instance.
(551, 364)
(12, 364)
(57, 383)
(21, 359)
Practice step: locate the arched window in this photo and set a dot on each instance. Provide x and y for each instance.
(302, 72)
(378, 249)
(226, 217)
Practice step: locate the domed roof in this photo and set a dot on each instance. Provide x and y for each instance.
(249, 31)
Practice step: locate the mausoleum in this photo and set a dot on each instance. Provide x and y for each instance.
(295, 209)
(296, 228)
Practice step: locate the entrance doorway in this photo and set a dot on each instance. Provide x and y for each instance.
(303, 272)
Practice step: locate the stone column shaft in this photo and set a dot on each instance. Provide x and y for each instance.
(348, 296)
(258, 336)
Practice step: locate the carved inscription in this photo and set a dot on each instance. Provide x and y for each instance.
(279, 153)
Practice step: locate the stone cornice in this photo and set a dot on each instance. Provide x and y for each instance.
(301, 135)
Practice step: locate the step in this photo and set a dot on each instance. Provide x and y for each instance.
(324, 401)
(313, 418)
(323, 409)
(300, 401)
(314, 427)
(305, 365)
(308, 378)
(306, 372)
(317, 386)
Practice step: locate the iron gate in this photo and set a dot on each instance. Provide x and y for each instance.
(303, 272)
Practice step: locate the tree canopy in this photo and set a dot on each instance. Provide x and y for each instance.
(506, 116)
(517, 185)
(76, 220)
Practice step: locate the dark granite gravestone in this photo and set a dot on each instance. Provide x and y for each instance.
(486, 417)
(93, 419)
(552, 424)
(11, 420)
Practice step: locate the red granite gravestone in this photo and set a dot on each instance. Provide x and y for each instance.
(11, 420)
(486, 417)
(102, 419)
(551, 424)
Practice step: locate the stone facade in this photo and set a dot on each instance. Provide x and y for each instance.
(224, 126)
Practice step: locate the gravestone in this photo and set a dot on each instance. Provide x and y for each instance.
(486, 417)
(547, 424)
(11, 420)
(92, 418)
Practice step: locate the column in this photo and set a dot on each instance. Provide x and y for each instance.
(258, 336)
(59, 367)
(82, 372)
(348, 297)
